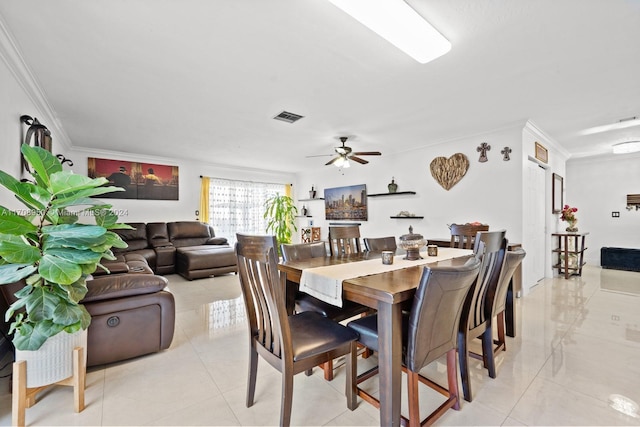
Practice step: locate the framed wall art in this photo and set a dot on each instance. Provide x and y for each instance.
(147, 181)
(346, 202)
(557, 188)
(541, 153)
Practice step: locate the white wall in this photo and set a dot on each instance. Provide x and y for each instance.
(597, 187)
(489, 192)
(189, 185)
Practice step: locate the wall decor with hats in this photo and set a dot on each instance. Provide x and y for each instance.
(146, 181)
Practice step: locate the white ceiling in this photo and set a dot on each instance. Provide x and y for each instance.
(202, 79)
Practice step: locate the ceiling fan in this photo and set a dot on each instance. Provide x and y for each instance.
(344, 154)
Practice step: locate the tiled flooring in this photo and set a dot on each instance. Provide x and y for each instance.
(575, 361)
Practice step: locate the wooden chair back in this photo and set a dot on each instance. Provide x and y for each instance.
(463, 235)
(344, 240)
(379, 244)
(298, 251)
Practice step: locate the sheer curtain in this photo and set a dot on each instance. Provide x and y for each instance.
(238, 206)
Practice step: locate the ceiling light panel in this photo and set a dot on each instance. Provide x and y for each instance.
(626, 147)
(400, 25)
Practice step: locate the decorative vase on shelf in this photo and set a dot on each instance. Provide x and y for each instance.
(572, 226)
(312, 193)
(393, 187)
(304, 210)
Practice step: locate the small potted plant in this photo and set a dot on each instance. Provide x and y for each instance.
(47, 247)
(280, 212)
(569, 215)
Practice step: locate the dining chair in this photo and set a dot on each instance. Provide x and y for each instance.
(291, 344)
(344, 240)
(429, 332)
(463, 235)
(476, 320)
(304, 302)
(512, 260)
(379, 244)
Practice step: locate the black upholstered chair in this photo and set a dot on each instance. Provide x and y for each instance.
(305, 302)
(379, 244)
(429, 332)
(291, 344)
(476, 320)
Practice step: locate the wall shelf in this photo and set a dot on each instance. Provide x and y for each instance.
(304, 216)
(407, 217)
(310, 200)
(398, 193)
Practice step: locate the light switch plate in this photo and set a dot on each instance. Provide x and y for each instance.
(615, 214)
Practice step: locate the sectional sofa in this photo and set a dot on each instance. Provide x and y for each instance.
(189, 248)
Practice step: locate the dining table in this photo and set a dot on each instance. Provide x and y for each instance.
(387, 292)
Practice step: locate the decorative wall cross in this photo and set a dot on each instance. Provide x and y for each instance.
(482, 149)
(505, 153)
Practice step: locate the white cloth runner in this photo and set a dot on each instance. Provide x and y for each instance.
(325, 283)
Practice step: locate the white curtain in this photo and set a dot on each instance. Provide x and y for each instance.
(238, 206)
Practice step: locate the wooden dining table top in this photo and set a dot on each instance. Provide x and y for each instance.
(390, 287)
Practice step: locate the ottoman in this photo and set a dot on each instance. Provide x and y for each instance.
(196, 262)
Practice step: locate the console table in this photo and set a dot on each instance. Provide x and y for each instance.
(570, 250)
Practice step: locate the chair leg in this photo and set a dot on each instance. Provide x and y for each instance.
(414, 405)
(463, 360)
(327, 367)
(502, 343)
(487, 351)
(350, 383)
(253, 373)
(287, 397)
(452, 378)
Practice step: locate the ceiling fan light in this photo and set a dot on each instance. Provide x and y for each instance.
(399, 24)
(338, 163)
(626, 147)
(346, 164)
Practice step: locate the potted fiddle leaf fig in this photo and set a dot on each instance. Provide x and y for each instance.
(280, 212)
(47, 247)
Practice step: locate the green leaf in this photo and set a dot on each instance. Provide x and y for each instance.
(15, 250)
(89, 192)
(58, 270)
(67, 217)
(73, 231)
(65, 182)
(10, 273)
(28, 337)
(67, 314)
(12, 223)
(41, 303)
(74, 255)
(105, 218)
(78, 243)
(95, 203)
(42, 162)
(21, 191)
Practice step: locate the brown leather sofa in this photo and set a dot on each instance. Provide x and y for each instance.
(131, 315)
(189, 248)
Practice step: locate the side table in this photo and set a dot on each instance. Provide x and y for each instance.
(570, 253)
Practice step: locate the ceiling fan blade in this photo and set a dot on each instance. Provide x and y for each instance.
(321, 155)
(358, 159)
(368, 153)
(332, 161)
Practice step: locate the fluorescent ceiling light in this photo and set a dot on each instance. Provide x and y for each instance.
(622, 124)
(626, 147)
(400, 25)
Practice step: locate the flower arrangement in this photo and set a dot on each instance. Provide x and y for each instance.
(569, 215)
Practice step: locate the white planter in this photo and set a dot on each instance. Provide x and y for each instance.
(53, 361)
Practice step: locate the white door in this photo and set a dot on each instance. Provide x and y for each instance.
(534, 226)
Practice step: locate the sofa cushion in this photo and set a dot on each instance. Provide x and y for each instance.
(124, 285)
(157, 234)
(205, 257)
(217, 241)
(188, 233)
(136, 238)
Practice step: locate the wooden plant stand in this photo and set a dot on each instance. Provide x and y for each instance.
(24, 397)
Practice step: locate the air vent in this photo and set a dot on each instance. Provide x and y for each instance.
(288, 117)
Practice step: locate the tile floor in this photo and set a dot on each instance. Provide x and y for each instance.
(575, 361)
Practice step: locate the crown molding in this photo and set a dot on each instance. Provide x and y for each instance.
(549, 141)
(12, 57)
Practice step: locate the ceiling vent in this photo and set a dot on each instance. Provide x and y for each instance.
(288, 117)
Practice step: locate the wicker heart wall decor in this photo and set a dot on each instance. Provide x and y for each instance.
(448, 172)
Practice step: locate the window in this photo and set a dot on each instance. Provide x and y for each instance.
(238, 206)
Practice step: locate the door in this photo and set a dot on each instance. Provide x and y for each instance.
(534, 233)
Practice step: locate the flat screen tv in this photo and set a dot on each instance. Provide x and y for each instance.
(346, 203)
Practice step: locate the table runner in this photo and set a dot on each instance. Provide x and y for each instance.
(325, 283)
